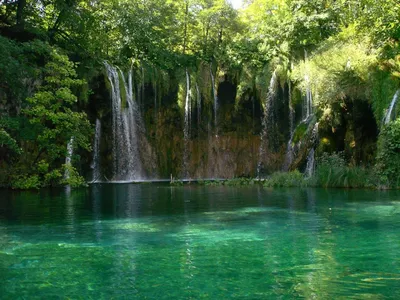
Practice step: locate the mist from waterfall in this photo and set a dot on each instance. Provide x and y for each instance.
(389, 112)
(126, 127)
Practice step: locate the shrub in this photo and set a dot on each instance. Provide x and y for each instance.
(74, 179)
(332, 171)
(388, 158)
(286, 179)
(25, 182)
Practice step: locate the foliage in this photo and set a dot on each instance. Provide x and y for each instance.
(51, 109)
(73, 179)
(388, 157)
(8, 141)
(240, 181)
(49, 120)
(332, 171)
(344, 51)
(176, 183)
(338, 70)
(286, 179)
(26, 182)
(299, 132)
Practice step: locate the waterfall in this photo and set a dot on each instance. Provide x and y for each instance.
(307, 109)
(388, 115)
(310, 168)
(155, 102)
(289, 148)
(68, 158)
(267, 119)
(289, 153)
(307, 106)
(96, 152)
(142, 90)
(215, 101)
(253, 112)
(126, 126)
(186, 129)
(291, 109)
(198, 106)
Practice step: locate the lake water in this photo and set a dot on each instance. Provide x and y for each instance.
(153, 241)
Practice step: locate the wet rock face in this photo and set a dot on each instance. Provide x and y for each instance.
(225, 156)
(230, 151)
(224, 141)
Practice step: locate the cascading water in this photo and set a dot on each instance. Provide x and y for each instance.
(198, 105)
(253, 112)
(96, 152)
(142, 89)
(307, 106)
(291, 107)
(289, 149)
(267, 119)
(388, 115)
(215, 106)
(68, 158)
(307, 113)
(186, 129)
(126, 125)
(155, 102)
(310, 167)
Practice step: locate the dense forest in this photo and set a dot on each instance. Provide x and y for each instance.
(277, 84)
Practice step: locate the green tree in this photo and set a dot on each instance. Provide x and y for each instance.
(51, 110)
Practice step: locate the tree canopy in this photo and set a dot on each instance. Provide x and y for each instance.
(49, 49)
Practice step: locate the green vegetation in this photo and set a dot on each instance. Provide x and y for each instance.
(388, 158)
(286, 179)
(331, 171)
(347, 53)
(230, 182)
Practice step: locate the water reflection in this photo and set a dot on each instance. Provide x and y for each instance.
(70, 212)
(158, 241)
(96, 209)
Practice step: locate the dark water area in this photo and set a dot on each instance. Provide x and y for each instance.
(154, 241)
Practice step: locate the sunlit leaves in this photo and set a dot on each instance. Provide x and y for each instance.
(51, 109)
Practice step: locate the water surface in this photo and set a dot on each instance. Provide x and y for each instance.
(153, 241)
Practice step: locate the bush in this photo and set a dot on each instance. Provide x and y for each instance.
(26, 182)
(238, 181)
(74, 179)
(332, 171)
(388, 158)
(286, 179)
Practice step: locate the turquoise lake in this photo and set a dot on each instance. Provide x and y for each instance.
(154, 241)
